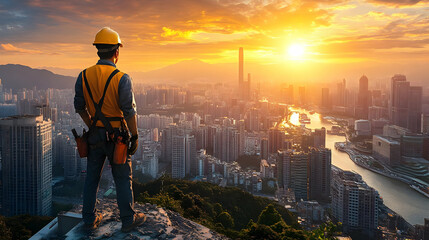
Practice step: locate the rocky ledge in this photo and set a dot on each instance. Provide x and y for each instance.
(160, 224)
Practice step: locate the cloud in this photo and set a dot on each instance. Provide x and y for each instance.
(397, 3)
(172, 30)
(10, 48)
(147, 20)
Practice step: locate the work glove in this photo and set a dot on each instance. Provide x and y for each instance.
(134, 143)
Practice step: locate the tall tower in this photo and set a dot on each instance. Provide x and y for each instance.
(26, 152)
(320, 174)
(240, 68)
(183, 156)
(363, 96)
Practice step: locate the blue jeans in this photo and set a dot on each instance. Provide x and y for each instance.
(122, 174)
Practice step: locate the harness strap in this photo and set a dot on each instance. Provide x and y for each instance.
(98, 113)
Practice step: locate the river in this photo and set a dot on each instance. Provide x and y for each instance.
(398, 196)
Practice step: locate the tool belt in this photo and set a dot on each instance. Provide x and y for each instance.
(120, 137)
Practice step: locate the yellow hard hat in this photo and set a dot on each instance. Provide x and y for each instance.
(107, 36)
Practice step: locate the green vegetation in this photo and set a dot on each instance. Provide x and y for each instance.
(142, 178)
(21, 227)
(249, 161)
(228, 210)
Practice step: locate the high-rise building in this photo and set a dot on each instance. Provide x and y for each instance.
(316, 139)
(393, 93)
(363, 99)
(229, 144)
(307, 174)
(71, 162)
(354, 203)
(406, 104)
(341, 93)
(184, 160)
(26, 152)
(295, 173)
(276, 138)
(425, 123)
(243, 87)
(264, 148)
(320, 174)
(326, 103)
(167, 142)
(254, 120)
(415, 109)
(240, 68)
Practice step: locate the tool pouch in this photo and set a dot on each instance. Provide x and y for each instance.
(120, 153)
(122, 141)
(81, 143)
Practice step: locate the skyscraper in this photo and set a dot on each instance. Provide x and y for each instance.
(405, 104)
(264, 148)
(400, 102)
(276, 138)
(354, 203)
(26, 152)
(320, 174)
(243, 87)
(341, 93)
(325, 98)
(240, 67)
(363, 97)
(184, 161)
(294, 173)
(308, 174)
(415, 109)
(167, 142)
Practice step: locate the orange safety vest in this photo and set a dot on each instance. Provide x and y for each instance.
(97, 76)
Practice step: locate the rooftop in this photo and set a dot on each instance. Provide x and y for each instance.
(160, 224)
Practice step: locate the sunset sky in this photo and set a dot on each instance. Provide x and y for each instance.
(157, 33)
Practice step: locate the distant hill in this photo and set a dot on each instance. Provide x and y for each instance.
(188, 71)
(17, 76)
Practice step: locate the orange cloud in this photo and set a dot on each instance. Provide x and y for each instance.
(10, 48)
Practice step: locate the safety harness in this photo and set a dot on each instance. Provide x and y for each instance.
(98, 113)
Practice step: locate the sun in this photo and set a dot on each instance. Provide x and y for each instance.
(296, 51)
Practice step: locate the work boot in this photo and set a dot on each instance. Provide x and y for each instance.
(139, 219)
(97, 221)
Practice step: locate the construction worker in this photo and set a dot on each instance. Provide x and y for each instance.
(117, 106)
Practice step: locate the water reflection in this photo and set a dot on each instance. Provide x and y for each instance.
(398, 196)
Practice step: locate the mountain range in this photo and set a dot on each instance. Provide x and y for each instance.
(17, 76)
(187, 72)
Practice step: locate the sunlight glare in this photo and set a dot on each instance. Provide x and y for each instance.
(296, 51)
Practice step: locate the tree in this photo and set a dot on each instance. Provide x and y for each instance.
(218, 208)
(258, 231)
(226, 220)
(270, 216)
(187, 202)
(326, 231)
(5, 233)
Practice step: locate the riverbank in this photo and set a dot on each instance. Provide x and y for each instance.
(397, 195)
(364, 162)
